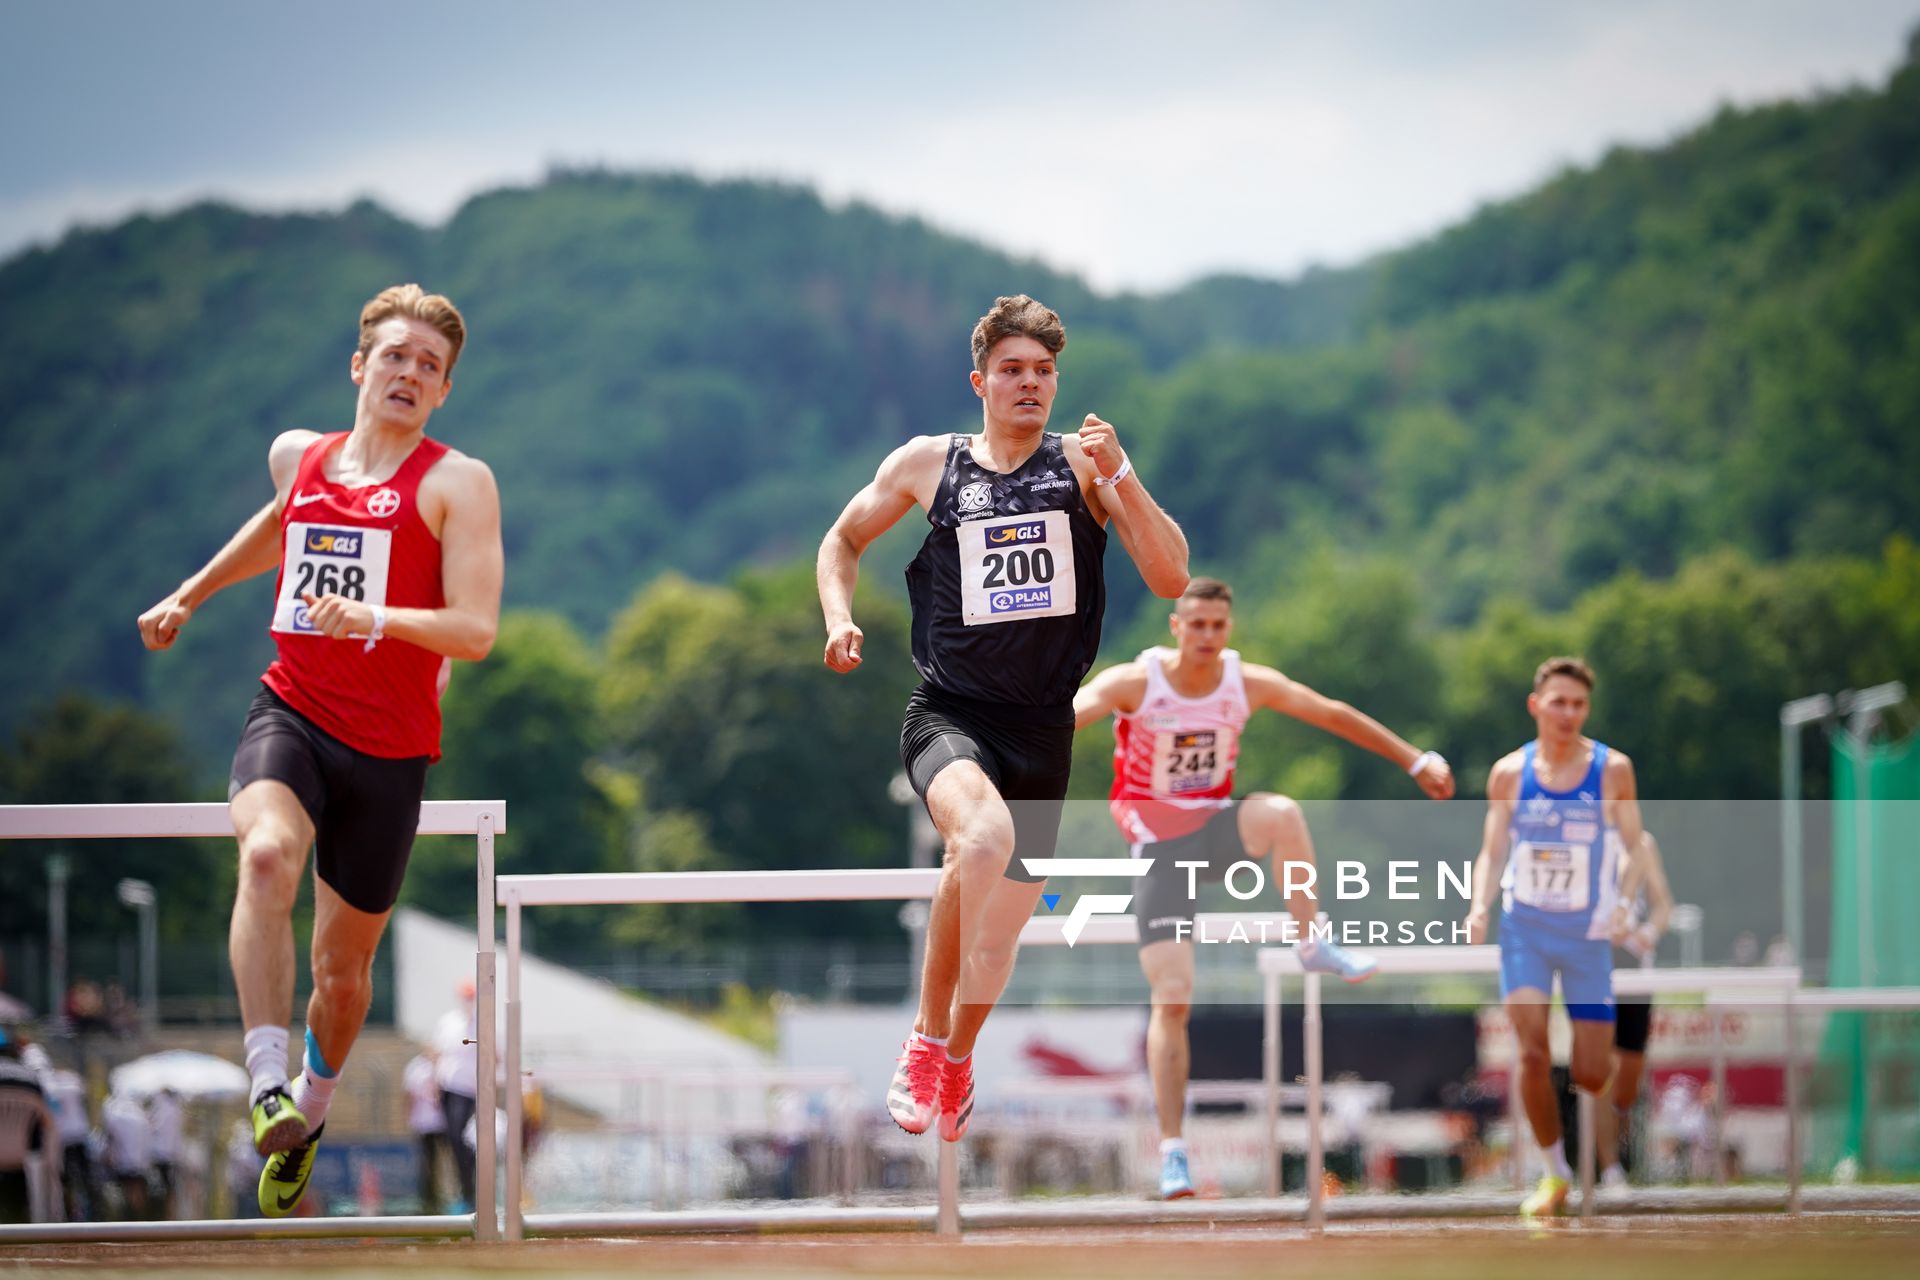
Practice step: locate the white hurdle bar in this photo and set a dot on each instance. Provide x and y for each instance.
(1714, 983)
(655, 887)
(481, 819)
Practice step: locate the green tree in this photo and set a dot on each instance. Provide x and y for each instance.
(719, 702)
(77, 750)
(523, 726)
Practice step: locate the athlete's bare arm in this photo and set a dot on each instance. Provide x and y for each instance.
(1503, 789)
(909, 474)
(1268, 688)
(1659, 892)
(460, 502)
(1116, 689)
(1622, 795)
(1659, 895)
(1149, 534)
(250, 552)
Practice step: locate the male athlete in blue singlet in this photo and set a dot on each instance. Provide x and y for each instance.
(1007, 595)
(1550, 808)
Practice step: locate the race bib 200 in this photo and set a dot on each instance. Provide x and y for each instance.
(1016, 567)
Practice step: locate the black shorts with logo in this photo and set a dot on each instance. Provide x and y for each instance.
(1161, 902)
(365, 809)
(1027, 753)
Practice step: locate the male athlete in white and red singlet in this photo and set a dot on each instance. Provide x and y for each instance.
(1178, 714)
(388, 550)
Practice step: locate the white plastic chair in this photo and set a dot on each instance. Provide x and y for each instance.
(20, 1110)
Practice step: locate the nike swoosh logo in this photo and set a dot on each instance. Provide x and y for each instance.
(287, 1202)
(303, 499)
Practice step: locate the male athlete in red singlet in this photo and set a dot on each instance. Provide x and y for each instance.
(388, 547)
(1177, 719)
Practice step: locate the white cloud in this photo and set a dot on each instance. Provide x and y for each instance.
(1139, 164)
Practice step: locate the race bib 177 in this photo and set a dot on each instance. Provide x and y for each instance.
(1551, 877)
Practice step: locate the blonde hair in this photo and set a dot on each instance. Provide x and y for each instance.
(414, 303)
(1572, 668)
(1017, 317)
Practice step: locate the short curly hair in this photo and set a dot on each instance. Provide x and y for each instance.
(1017, 316)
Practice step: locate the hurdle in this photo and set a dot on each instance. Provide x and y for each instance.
(1716, 984)
(481, 819)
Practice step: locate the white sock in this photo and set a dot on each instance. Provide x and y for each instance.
(1612, 1170)
(1173, 1144)
(266, 1058)
(1556, 1156)
(1307, 945)
(924, 1038)
(312, 1095)
(962, 1058)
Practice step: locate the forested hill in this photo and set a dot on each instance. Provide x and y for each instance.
(663, 372)
(1716, 342)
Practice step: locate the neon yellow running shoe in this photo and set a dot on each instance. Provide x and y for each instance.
(1548, 1199)
(284, 1180)
(277, 1123)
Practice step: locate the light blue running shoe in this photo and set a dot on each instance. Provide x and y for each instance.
(1175, 1182)
(1318, 955)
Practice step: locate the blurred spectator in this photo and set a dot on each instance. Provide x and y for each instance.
(456, 1070)
(1780, 952)
(243, 1170)
(1683, 1127)
(128, 1152)
(428, 1121)
(165, 1119)
(85, 1011)
(123, 1020)
(67, 1098)
(1746, 948)
(17, 1078)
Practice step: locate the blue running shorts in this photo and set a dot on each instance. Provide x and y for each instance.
(1530, 958)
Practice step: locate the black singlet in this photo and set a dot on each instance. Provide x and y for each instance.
(1008, 589)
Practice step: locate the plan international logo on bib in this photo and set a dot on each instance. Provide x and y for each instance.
(1019, 567)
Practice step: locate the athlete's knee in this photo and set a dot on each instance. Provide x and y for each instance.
(1279, 822)
(1173, 1002)
(1535, 1058)
(271, 858)
(1589, 1075)
(979, 849)
(994, 955)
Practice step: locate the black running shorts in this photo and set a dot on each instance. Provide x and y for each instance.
(1632, 1023)
(1026, 752)
(365, 809)
(1161, 902)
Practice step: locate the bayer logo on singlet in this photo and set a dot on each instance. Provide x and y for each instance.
(977, 496)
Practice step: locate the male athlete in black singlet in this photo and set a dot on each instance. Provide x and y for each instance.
(1007, 597)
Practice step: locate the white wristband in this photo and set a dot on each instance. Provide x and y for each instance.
(379, 628)
(1126, 469)
(1422, 761)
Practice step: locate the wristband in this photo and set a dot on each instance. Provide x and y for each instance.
(1422, 761)
(1126, 469)
(379, 628)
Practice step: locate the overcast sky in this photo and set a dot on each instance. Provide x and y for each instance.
(1140, 144)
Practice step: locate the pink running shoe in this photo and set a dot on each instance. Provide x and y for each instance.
(956, 1097)
(915, 1090)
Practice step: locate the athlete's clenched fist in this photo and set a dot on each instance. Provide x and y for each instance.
(843, 647)
(1103, 446)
